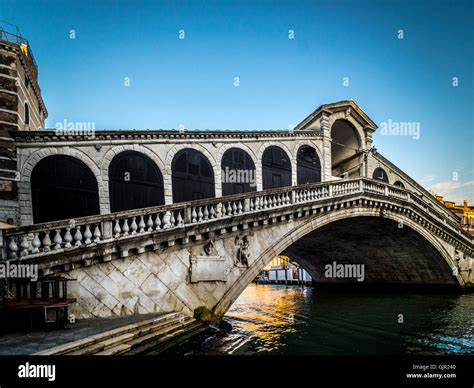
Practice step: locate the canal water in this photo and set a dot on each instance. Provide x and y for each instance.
(271, 319)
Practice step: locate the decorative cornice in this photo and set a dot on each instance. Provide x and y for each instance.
(349, 106)
(47, 136)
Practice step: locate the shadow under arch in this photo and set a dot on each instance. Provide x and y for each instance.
(435, 269)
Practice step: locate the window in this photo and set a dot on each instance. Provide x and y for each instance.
(27, 114)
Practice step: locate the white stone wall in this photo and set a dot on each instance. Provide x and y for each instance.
(160, 281)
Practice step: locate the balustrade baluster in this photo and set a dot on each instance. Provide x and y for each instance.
(77, 236)
(68, 238)
(141, 225)
(13, 247)
(58, 239)
(149, 223)
(46, 241)
(167, 220)
(125, 227)
(36, 244)
(97, 234)
(179, 219)
(157, 222)
(87, 235)
(24, 245)
(134, 226)
(117, 229)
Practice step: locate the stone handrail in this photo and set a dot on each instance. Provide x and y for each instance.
(427, 197)
(39, 239)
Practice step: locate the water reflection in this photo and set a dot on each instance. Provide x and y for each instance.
(302, 320)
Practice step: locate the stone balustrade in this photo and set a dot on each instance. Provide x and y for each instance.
(42, 239)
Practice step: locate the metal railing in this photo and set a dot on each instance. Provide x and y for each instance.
(16, 38)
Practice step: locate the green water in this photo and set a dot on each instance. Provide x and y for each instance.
(304, 320)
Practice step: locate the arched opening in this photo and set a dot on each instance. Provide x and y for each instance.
(308, 165)
(276, 168)
(380, 174)
(63, 187)
(27, 114)
(399, 184)
(192, 176)
(346, 150)
(385, 252)
(134, 182)
(238, 172)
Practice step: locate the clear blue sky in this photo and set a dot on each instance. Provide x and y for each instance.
(190, 82)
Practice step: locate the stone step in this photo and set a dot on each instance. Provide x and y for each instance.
(183, 333)
(89, 341)
(116, 350)
(162, 331)
(138, 340)
(107, 343)
(103, 345)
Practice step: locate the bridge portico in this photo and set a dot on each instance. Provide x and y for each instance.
(324, 133)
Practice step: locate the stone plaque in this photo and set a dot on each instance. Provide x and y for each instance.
(207, 269)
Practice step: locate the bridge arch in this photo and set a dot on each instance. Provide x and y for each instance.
(277, 167)
(260, 153)
(24, 185)
(168, 173)
(292, 235)
(399, 183)
(113, 152)
(240, 163)
(192, 176)
(308, 165)
(63, 187)
(135, 182)
(380, 174)
(346, 148)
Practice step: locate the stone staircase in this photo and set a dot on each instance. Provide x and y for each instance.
(134, 338)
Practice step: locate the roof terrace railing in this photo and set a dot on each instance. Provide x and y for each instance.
(16, 38)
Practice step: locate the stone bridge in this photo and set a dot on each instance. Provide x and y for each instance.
(150, 221)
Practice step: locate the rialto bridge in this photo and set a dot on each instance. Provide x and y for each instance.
(149, 221)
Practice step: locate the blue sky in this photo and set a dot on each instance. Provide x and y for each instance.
(190, 82)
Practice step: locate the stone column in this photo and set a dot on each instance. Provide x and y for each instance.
(326, 151)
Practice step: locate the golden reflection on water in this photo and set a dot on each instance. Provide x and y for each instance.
(268, 314)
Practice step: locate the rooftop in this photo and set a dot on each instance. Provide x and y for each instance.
(10, 33)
